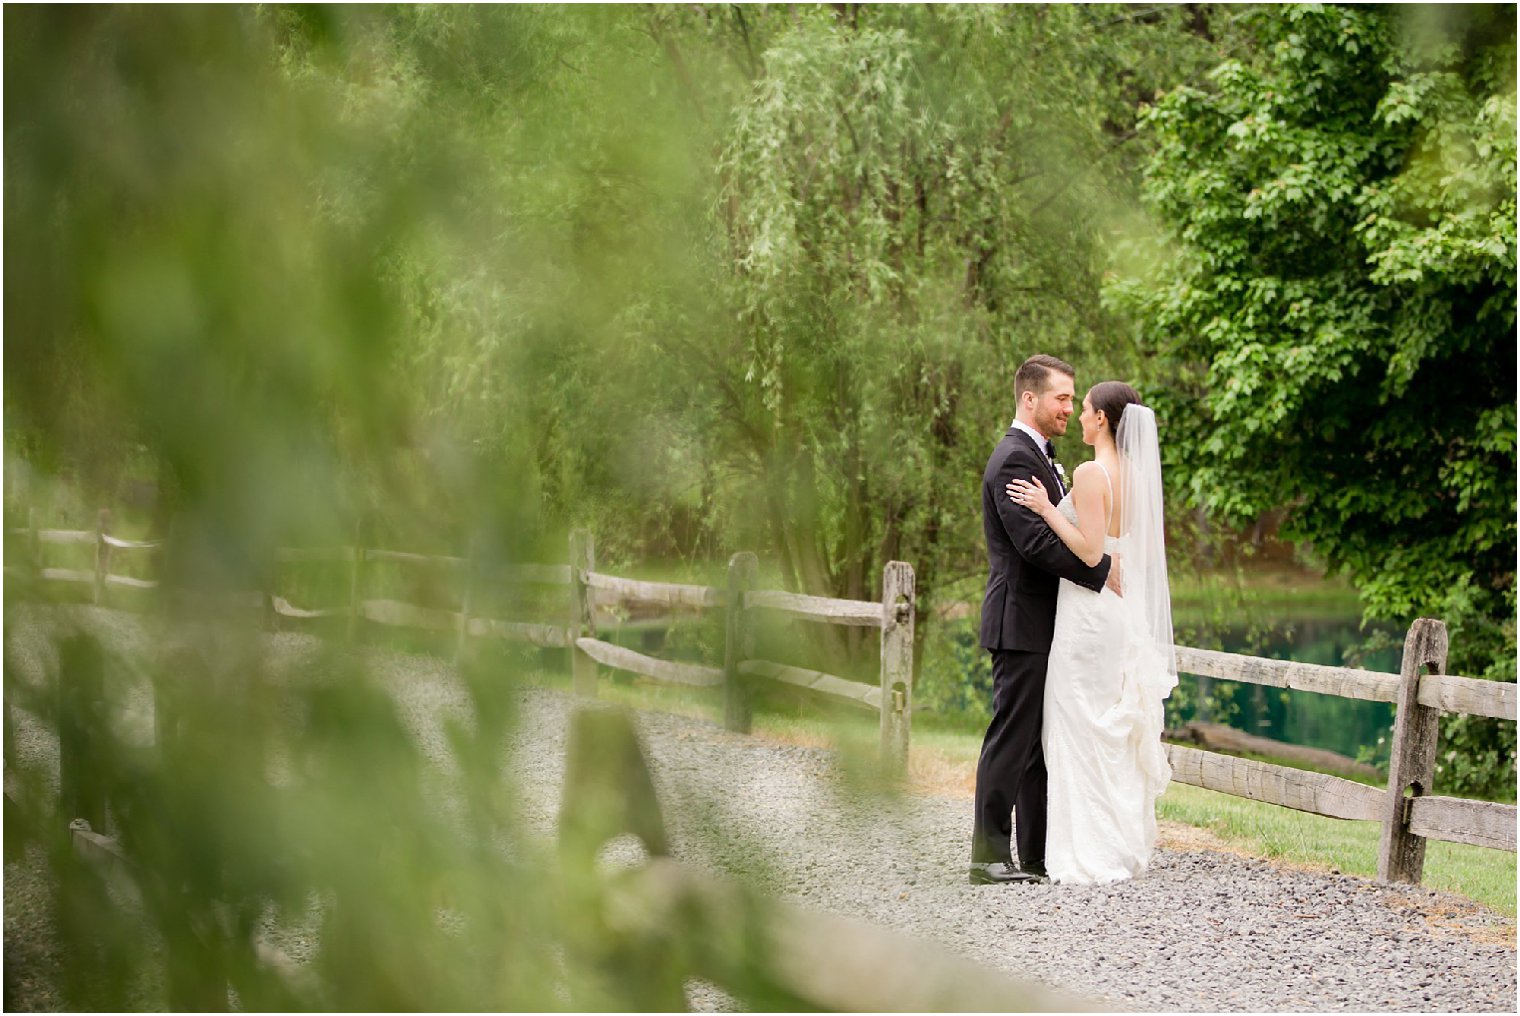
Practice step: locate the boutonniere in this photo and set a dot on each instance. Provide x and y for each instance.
(1061, 472)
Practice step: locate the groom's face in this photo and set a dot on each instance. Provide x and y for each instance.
(1053, 406)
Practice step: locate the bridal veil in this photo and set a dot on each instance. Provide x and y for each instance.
(1142, 532)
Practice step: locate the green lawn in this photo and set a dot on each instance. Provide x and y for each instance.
(944, 761)
(1479, 873)
(1198, 596)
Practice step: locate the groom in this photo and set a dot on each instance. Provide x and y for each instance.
(1018, 618)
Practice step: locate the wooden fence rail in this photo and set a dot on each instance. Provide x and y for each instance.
(588, 589)
(891, 700)
(1409, 814)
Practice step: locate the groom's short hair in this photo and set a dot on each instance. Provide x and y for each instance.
(1034, 374)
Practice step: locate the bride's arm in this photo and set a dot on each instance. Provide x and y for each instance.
(1087, 488)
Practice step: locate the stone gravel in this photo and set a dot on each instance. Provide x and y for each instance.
(1201, 930)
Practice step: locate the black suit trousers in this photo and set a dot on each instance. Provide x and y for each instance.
(1011, 771)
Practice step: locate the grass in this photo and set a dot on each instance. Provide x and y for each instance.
(1199, 597)
(943, 762)
(1481, 874)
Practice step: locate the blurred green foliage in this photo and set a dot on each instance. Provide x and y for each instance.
(700, 279)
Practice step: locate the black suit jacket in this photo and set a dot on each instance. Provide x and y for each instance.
(1026, 559)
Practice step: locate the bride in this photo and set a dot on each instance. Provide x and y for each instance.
(1111, 661)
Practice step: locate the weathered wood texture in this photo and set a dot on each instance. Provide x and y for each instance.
(356, 584)
(1317, 793)
(94, 847)
(396, 613)
(670, 594)
(1342, 681)
(399, 614)
(817, 608)
(466, 602)
(406, 557)
(815, 682)
(1412, 758)
(607, 789)
(582, 616)
(1224, 738)
(547, 635)
(898, 600)
(1452, 694)
(102, 554)
(98, 577)
(284, 608)
(33, 542)
(121, 544)
(68, 575)
(65, 536)
(128, 582)
(649, 666)
(1481, 823)
(738, 642)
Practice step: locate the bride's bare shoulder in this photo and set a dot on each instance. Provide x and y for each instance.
(1087, 472)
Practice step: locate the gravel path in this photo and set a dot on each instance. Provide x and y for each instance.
(1202, 930)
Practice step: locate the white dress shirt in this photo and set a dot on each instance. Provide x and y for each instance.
(1040, 440)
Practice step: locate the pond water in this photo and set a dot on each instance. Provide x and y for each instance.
(1322, 721)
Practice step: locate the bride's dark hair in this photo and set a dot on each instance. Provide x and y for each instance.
(1110, 397)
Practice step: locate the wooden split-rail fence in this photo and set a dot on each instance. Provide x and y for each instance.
(590, 594)
(1407, 810)
(1409, 813)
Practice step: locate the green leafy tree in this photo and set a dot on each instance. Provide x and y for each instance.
(912, 203)
(770, 294)
(1336, 308)
(560, 228)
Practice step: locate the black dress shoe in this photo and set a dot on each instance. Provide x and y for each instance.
(998, 872)
(1037, 869)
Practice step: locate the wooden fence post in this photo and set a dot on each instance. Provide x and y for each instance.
(1412, 762)
(102, 552)
(269, 581)
(898, 605)
(582, 618)
(464, 603)
(81, 692)
(738, 642)
(34, 545)
(356, 584)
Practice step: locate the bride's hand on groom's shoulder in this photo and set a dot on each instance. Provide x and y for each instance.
(1029, 494)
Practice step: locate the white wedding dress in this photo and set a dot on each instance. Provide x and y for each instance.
(1102, 734)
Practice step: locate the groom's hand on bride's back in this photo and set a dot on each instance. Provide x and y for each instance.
(1113, 581)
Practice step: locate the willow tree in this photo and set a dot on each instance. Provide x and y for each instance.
(557, 232)
(913, 202)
